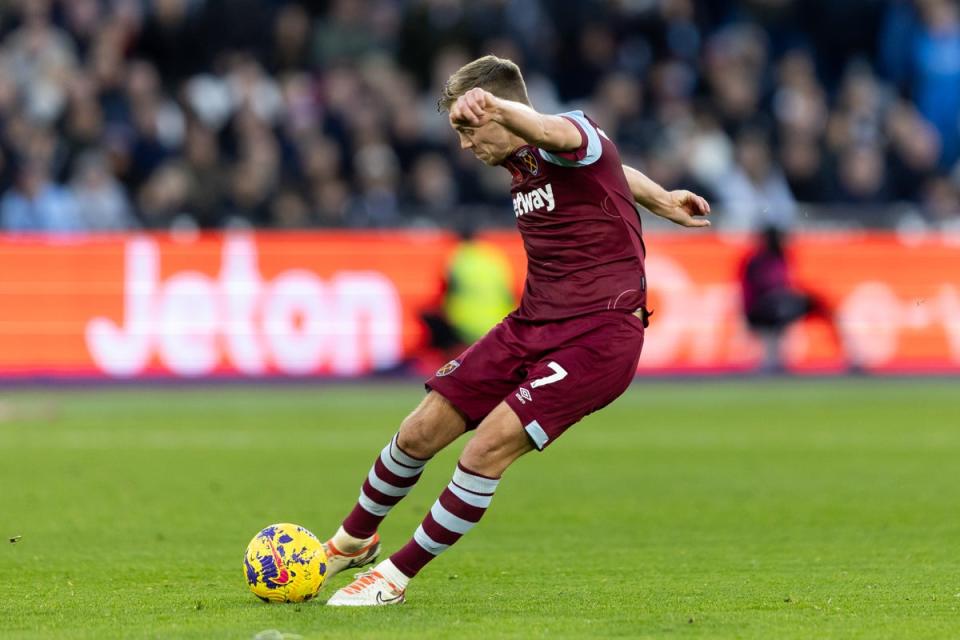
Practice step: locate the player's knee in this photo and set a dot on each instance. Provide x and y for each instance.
(415, 436)
(476, 456)
(486, 456)
(429, 427)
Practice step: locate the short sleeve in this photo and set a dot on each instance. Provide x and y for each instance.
(589, 150)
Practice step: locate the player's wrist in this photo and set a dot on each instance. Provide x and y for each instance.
(495, 107)
(663, 205)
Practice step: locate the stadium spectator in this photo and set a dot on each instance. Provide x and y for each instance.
(862, 177)
(39, 57)
(941, 204)
(171, 36)
(805, 168)
(433, 194)
(36, 203)
(755, 193)
(163, 199)
(914, 150)
(919, 49)
(102, 204)
(290, 51)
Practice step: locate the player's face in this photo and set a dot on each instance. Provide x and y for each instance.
(490, 142)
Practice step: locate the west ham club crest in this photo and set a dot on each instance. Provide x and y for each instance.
(528, 161)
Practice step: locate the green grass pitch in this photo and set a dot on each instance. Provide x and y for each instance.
(750, 509)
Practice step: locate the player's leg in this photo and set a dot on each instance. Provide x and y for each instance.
(499, 441)
(461, 394)
(766, 319)
(433, 425)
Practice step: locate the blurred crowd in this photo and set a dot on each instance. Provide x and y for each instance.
(119, 114)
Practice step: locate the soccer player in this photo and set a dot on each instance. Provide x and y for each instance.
(570, 348)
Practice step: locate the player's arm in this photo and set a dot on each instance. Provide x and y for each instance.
(680, 207)
(550, 133)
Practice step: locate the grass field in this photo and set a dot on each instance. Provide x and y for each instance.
(762, 509)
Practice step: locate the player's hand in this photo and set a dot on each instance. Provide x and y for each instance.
(474, 108)
(687, 209)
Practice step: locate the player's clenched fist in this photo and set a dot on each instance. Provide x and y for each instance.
(474, 108)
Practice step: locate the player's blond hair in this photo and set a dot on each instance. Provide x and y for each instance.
(499, 76)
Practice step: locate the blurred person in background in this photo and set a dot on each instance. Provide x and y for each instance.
(156, 124)
(862, 176)
(162, 200)
(772, 302)
(857, 120)
(479, 291)
(477, 294)
(433, 192)
(805, 168)
(291, 40)
(920, 51)
(36, 203)
(289, 210)
(102, 204)
(329, 201)
(940, 204)
(913, 150)
(619, 100)
(208, 176)
(40, 58)
(171, 37)
(755, 193)
(735, 59)
(376, 202)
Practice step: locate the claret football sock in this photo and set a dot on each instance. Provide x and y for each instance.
(459, 508)
(391, 478)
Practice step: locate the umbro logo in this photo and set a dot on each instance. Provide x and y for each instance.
(523, 396)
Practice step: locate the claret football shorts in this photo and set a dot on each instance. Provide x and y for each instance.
(551, 374)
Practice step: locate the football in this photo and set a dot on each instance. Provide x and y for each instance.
(285, 563)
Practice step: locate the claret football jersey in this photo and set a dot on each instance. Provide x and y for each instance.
(579, 227)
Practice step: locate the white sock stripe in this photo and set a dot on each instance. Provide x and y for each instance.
(395, 467)
(429, 545)
(449, 521)
(476, 484)
(399, 456)
(385, 487)
(369, 505)
(471, 499)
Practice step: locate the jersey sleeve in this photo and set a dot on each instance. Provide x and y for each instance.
(590, 147)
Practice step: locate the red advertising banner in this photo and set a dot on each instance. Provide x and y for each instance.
(349, 303)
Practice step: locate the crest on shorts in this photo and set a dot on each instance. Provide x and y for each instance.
(528, 161)
(448, 368)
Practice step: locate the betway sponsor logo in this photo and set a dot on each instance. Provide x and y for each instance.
(294, 323)
(534, 200)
